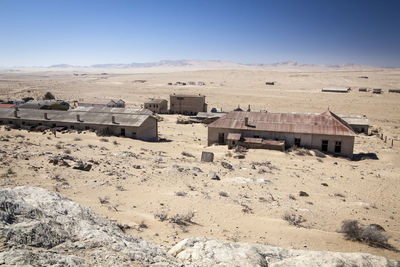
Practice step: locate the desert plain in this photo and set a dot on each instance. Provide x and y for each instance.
(133, 182)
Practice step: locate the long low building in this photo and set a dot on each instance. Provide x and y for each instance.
(143, 127)
(136, 111)
(326, 132)
(336, 89)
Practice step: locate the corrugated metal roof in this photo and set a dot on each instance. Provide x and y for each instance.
(207, 115)
(7, 105)
(70, 117)
(137, 111)
(234, 136)
(326, 123)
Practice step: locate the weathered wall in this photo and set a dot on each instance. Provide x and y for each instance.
(160, 108)
(149, 130)
(190, 105)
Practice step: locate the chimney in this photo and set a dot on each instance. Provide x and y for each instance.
(113, 119)
(78, 117)
(246, 121)
(16, 113)
(249, 109)
(45, 116)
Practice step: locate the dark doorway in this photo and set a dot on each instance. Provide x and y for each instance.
(324, 146)
(221, 138)
(122, 131)
(338, 147)
(297, 142)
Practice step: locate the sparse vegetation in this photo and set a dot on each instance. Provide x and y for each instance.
(103, 140)
(181, 193)
(223, 194)
(372, 235)
(186, 154)
(162, 216)
(77, 139)
(104, 200)
(67, 151)
(294, 219)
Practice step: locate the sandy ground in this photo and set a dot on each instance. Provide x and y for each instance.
(140, 179)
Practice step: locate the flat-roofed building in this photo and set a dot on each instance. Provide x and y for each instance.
(159, 106)
(326, 132)
(187, 104)
(336, 89)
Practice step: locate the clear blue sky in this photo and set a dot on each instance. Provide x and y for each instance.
(38, 32)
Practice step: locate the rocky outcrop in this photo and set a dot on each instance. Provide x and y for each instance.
(214, 252)
(41, 228)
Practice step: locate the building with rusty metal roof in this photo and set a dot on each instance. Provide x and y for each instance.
(326, 131)
(143, 127)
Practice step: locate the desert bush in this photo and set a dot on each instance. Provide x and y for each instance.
(20, 135)
(59, 146)
(181, 193)
(115, 142)
(162, 216)
(104, 200)
(182, 219)
(123, 227)
(120, 188)
(67, 151)
(223, 194)
(186, 154)
(371, 235)
(103, 140)
(77, 139)
(294, 219)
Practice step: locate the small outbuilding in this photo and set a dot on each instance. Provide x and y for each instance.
(336, 89)
(377, 91)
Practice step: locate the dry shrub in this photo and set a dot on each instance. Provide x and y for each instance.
(162, 216)
(182, 219)
(372, 235)
(294, 219)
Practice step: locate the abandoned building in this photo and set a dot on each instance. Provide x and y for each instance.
(336, 89)
(187, 104)
(326, 132)
(363, 90)
(103, 103)
(358, 123)
(159, 106)
(45, 104)
(143, 127)
(377, 91)
(136, 111)
(394, 90)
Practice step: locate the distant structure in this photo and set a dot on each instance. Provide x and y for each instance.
(201, 83)
(394, 90)
(325, 132)
(377, 91)
(159, 106)
(143, 127)
(104, 103)
(336, 89)
(363, 90)
(270, 83)
(207, 117)
(192, 83)
(45, 104)
(136, 111)
(116, 104)
(187, 104)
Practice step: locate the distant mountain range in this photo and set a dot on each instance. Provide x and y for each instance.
(208, 64)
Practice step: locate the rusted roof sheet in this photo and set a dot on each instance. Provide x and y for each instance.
(234, 136)
(326, 123)
(7, 105)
